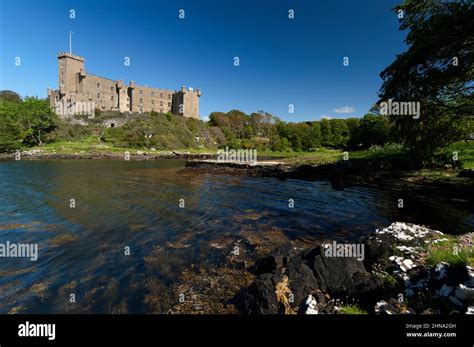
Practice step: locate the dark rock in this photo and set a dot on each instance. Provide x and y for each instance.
(309, 272)
(276, 261)
(261, 297)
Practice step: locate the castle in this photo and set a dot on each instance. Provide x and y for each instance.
(82, 93)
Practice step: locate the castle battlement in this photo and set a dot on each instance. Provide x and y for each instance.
(70, 55)
(76, 86)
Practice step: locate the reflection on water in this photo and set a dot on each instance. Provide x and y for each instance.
(123, 204)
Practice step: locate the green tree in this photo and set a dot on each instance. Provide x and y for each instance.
(37, 120)
(437, 71)
(8, 95)
(353, 139)
(326, 135)
(373, 130)
(10, 128)
(339, 132)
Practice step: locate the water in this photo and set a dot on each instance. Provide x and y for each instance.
(136, 205)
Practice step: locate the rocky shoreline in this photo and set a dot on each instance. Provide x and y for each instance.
(394, 277)
(133, 155)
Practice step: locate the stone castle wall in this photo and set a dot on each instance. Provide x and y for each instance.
(79, 90)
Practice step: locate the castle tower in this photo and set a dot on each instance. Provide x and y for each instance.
(71, 68)
(186, 102)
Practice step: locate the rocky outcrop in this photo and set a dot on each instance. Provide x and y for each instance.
(393, 278)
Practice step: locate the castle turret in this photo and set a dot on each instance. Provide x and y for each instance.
(186, 102)
(70, 66)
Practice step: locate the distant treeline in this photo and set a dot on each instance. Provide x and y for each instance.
(266, 132)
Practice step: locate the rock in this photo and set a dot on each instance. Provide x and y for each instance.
(406, 265)
(406, 232)
(316, 281)
(470, 276)
(455, 301)
(440, 270)
(276, 261)
(311, 305)
(430, 311)
(261, 297)
(445, 290)
(464, 293)
(309, 273)
(448, 274)
(392, 306)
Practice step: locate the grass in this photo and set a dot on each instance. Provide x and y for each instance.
(352, 309)
(465, 150)
(450, 251)
(319, 156)
(282, 291)
(91, 144)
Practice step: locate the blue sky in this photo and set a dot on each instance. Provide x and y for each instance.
(282, 61)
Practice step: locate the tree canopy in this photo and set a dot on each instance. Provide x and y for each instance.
(437, 71)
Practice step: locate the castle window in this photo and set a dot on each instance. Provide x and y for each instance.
(98, 85)
(112, 98)
(161, 103)
(169, 103)
(141, 100)
(161, 95)
(98, 95)
(152, 94)
(169, 96)
(141, 92)
(152, 102)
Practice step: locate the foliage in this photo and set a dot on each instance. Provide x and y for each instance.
(451, 250)
(352, 309)
(437, 71)
(25, 122)
(8, 95)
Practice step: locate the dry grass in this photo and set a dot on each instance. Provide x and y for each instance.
(283, 291)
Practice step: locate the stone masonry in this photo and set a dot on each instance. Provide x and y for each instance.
(81, 93)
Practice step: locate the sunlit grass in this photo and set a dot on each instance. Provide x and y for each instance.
(452, 251)
(465, 152)
(352, 309)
